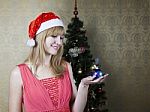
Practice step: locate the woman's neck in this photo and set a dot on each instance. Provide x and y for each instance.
(47, 60)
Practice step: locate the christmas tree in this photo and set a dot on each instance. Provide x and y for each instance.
(77, 52)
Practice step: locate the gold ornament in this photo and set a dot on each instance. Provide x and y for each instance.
(79, 71)
(94, 67)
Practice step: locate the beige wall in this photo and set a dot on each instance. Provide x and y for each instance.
(118, 32)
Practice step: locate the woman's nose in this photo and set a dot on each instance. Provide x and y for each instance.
(58, 40)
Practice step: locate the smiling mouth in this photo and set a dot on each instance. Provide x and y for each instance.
(55, 47)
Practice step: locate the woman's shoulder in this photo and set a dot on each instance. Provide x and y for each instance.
(68, 67)
(15, 71)
(67, 64)
(15, 75)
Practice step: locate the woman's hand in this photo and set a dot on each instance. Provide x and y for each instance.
(90, 79)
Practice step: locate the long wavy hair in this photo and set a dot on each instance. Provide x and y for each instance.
(37, 53)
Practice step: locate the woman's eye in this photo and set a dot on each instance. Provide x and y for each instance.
(54, 36)
(62, 37)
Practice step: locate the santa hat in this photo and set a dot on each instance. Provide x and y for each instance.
(42, 22)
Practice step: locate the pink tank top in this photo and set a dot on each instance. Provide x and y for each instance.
(45, 95)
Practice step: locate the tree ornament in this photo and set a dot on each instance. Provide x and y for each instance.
(82, 49)
(97, 72)
(92, 67)
(75, 9)
(100, 90)
(74, 52)
(79, 71)
(82, 29)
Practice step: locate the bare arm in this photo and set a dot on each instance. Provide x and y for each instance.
(80, 96)
(15, 91)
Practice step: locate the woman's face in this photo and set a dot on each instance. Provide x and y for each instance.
(53, 43)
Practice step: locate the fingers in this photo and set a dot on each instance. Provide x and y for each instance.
(106, 75)
(87, 80)
(100, 79)
(90, 79)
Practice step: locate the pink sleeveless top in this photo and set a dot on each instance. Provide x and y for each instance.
(45, 95)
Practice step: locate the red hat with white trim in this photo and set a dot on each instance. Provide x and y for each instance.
(42, 22)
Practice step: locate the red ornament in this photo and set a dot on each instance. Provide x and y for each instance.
(82, 49)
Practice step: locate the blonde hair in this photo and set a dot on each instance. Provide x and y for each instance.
(37, 54)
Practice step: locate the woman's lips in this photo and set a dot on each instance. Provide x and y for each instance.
(55, 47)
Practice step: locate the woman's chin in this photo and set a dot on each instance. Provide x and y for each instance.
(51, 53)
(54, 53)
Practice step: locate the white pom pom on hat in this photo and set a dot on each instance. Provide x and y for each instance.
(31, 42)
(42, 22)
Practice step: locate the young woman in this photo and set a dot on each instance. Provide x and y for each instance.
(44, 82)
